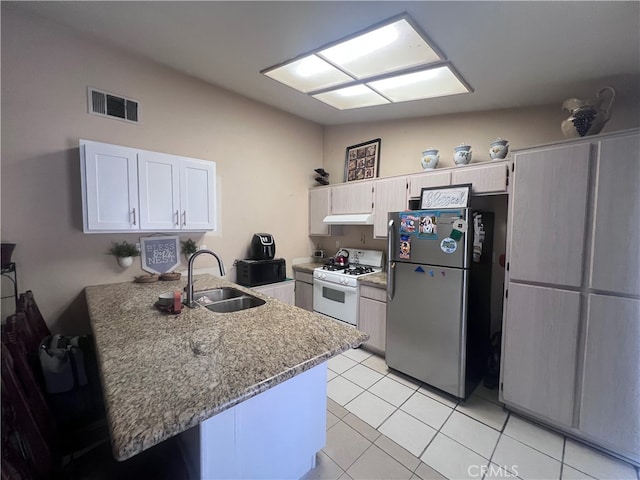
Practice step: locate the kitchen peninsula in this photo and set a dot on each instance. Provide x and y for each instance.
(164, 374)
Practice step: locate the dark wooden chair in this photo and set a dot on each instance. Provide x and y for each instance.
(33, 447)
(36, 328)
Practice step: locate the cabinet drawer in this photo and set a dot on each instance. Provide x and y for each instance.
(373, 293)
(304, 277)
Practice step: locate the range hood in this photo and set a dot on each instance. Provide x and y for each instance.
(351, 219)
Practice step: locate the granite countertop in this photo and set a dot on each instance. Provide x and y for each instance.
(162, 374)
(306, 267)
(374, 280)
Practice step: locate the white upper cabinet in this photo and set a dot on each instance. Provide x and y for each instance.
(615, 265)
(109, 176)
(159, 180)
(354, 197)
(548, 214)
(390, 196)
(197, 194)
(127, 189)
(488, 178)
(427, 180)
(319, 206)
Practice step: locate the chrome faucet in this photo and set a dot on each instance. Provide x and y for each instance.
(189, 288)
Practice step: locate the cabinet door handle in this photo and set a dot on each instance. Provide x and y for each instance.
(177, 218)
(134, 216)
(184, 218)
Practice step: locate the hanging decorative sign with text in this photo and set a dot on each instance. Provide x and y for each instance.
(160, 254)
(455, 196)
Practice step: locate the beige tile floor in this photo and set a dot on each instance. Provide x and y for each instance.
(384, 425)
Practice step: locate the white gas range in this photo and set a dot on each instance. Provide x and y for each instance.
(335, 288)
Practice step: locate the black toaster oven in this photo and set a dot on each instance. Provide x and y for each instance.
(252, 273)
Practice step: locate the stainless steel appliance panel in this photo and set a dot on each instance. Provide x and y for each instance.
(426, 324)
(425, 249)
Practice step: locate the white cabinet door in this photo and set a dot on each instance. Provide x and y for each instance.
(354, 197)
(372, 318)
(159, 184)
(539, 350)
(615, 261)
(109, 176)
(390, 196)
(485, 178)
(427, 180)
(197, 194)
(283, 291)
(548, 214)
(610, 403)
(304, 290)
(319, 204)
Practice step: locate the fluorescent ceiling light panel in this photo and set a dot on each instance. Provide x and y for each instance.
(308, 74)
(387, 49)
(356, 96)
(435, 82)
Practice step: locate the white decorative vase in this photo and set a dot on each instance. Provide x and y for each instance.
(499, 149)
(125, 262)
(430, 159)
(462, 155)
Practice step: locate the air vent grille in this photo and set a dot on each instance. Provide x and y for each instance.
(110, 105)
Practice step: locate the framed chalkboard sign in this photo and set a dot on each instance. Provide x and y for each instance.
(160, 254)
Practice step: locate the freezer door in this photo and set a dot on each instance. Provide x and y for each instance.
(430, 238)
(426, 325)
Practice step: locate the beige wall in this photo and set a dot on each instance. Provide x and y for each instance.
(45, 72)
(404, 140)
(264, 178)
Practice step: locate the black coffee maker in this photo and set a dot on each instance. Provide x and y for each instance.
(263, 246)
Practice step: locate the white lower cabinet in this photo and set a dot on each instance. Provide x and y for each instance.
(547, 322)
(372, 316)
(304, 290)
(610, 393)
(283, 291)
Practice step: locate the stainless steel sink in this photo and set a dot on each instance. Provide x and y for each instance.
(235, 304)
(217, 294)
(226, 300)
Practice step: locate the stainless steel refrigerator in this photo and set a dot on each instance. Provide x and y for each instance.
(438, 296)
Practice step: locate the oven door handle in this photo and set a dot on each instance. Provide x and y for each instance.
(391, 283)
(335, 286)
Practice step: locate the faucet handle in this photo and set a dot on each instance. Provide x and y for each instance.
(186, 287)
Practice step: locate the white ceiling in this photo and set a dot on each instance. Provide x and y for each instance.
(511, 53)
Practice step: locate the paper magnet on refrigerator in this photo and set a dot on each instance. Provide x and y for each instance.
(405, 247)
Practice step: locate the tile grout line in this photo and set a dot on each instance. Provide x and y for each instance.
(455, 408)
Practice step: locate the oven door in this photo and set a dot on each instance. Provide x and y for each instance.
(337, 301)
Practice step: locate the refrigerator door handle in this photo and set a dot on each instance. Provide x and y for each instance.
(390, 264)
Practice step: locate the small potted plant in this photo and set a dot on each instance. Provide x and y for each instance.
(124, 252)
(189, 247)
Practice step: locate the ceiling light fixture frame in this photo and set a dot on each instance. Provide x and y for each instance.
(355, 81)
